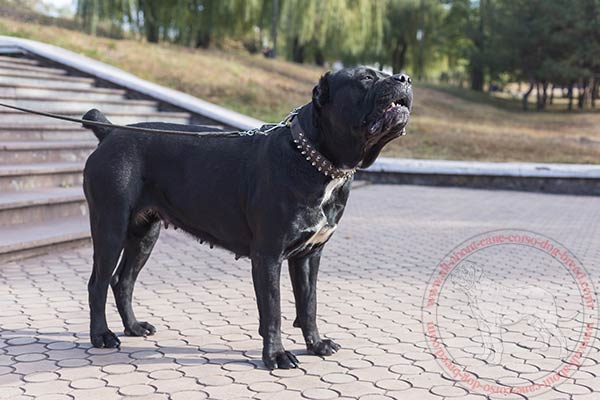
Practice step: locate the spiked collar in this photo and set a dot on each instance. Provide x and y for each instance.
(314, 157)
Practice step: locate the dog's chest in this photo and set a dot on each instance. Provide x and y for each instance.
(316, 224)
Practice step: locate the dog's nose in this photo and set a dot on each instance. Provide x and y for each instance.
(402, 78)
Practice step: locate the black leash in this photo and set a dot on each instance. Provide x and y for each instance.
(84, 122)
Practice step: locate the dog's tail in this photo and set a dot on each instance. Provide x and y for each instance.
(100, 131)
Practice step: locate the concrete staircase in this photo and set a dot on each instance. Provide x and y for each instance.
(42, 206)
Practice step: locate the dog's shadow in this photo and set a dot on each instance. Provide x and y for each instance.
(143, 355)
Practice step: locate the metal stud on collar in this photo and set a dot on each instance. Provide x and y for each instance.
(316, 159)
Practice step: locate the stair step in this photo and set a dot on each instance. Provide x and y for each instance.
(41, 205)
(37, 75)
(48, 80)
(66, 132)
(11, 66)
(28, 152)
(54, 136)
(54, 125)
(27, 90)
(19, 60)
(81, 105)
(36, 176)
(116, 117)
(28, 240)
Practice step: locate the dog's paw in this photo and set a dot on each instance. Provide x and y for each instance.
(140, 329)
(106, 340)
(325, 347)
(282, 360)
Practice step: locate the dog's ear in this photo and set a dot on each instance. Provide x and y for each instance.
(321, 91)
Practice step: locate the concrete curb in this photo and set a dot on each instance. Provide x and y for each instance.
(540, 177)
(121, 78)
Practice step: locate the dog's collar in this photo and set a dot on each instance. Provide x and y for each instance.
(313, 156)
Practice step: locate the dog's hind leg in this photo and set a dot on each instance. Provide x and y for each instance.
(138, 246)
(108, 236)
(303, 273)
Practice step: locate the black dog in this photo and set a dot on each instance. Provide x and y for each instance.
(267, 197)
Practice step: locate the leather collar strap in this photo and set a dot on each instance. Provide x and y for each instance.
(312, 155)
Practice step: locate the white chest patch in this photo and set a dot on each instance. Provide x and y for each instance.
(321, 235)
(322, 230)
(331, 186)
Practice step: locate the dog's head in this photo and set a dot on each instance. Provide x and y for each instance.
(360, 110)
(466, 275)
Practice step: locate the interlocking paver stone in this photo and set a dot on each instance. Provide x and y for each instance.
(448, 391)
(373, 277)
(266, 387)
(227, 392)
(10, 392)
(53, 387)
(319, 394)
(136, 390)
(41, 377)
(55, 397)
(215, 380)
(338, 378)
(88, 383)
(189, 395)
(396, 385)
(175, 385)
(114, 369)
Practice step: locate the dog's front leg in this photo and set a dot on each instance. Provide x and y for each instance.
(265, 275)
(303, 273)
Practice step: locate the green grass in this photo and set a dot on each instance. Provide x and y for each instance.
(447, 122)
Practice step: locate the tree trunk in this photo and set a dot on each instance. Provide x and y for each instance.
(551, 101)
(526, 95)
(151, 24)
(538, 97)
(203, 39)
(399, 56)
(582, 93)
(297, 51)
(544, 94)
(477, 63)
(595, 87)
(319, 58)
(274, 19)
(477, 78)
(152, 32)
(204, 35)
(570, 95)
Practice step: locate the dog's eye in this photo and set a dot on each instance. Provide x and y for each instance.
(366, 78)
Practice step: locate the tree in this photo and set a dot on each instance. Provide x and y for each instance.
(336, 28)
(91, 12)
(400, 33)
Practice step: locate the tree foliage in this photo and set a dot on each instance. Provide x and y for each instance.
(544, 42)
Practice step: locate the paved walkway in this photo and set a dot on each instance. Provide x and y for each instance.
(374, 276)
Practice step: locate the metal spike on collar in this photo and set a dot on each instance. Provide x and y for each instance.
(316, 159)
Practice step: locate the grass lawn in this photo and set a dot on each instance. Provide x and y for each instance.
(447, 123)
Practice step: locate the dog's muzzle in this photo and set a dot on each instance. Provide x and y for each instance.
(394, 106)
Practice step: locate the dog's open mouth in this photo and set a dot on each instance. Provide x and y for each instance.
(393, 119)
